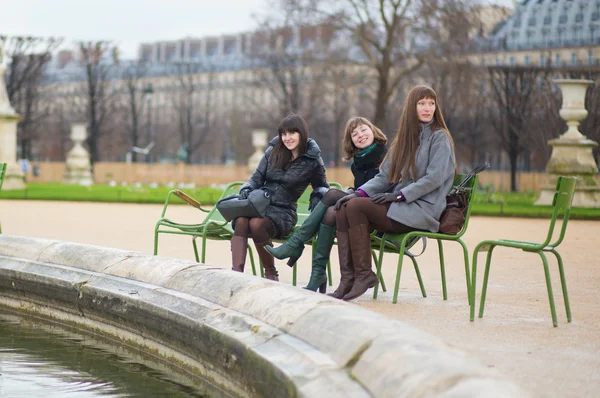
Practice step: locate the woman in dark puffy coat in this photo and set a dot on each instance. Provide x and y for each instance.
(365, 144)
(291, 162)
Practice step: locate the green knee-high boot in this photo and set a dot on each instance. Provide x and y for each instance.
(321, 251)
(294, 246)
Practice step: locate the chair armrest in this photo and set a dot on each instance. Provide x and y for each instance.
(187, 199)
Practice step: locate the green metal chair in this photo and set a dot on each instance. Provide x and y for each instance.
(213, 227)
(400, 243)
(2, 172)
(561, 204)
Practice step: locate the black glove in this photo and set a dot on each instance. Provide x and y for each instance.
(383, 198)
(313, 203)
(344, 199)
(244, 193)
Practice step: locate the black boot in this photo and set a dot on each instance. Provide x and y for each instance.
(321, 251)
(294, 246)
(364, 277)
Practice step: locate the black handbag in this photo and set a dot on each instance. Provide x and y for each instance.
(255, 205)
(454, 216)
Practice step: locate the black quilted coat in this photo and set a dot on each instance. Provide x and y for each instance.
(287, 185)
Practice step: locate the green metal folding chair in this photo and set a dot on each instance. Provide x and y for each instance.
(400, 243)
(561, 204)
(2, 172)
(213, 227)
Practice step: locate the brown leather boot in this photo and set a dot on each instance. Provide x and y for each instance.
(239, 248)
(365, 278)
(267, 260)
(346, 266)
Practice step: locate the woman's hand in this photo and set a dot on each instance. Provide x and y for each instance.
(383, 198)
(244, 193)
(344, 199)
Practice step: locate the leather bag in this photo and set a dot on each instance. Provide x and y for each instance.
(255, 205)
(457, 202)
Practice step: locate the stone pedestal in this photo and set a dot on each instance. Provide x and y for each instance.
(259, 141)
(78, 170)
(14, 178)
(572, 151)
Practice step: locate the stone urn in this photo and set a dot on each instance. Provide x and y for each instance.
(78, 169)
(572, 151)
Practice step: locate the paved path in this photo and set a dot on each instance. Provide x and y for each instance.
(515, 336)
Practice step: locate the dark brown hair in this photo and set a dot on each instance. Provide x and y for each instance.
(281, 156)
(404, 147)
(348, 146)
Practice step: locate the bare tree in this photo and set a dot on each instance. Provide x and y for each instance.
(514, 90)
(29, 57)
(98, 58)
(192, 101)
(132, 75)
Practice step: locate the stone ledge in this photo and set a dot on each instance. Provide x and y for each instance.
(318, 346)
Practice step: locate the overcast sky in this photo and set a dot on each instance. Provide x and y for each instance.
(130, 22)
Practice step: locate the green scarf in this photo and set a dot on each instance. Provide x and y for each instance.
(365, 151)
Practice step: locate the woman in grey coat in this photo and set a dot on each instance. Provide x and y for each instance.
(408, 194)
(291, 162)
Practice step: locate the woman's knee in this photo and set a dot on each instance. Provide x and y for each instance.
(332, 196)
(261, 228)
(329, 217)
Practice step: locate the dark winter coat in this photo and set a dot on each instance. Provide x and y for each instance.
(366, 167)
(287, 185)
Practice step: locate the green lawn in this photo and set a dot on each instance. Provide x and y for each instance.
(519, 204)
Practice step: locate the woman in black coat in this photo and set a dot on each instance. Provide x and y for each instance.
(291, 162)
(366, 145)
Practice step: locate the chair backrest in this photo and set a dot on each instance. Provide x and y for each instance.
(470, 188)
(2, 172)
(563, 198)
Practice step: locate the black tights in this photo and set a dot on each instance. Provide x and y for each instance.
(329, 200)
(363, 211)
(261, 229)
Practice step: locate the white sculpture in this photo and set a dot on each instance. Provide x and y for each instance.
(259, 141)
(5, 107)
(14, 177)
(78, 170)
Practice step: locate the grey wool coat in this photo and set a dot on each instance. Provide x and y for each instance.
(425, 198)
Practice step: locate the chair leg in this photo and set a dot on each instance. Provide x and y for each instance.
(563, 282)
(196, 250)
(418, 272)
(467, 273)
(294, 272)
(442, 269)
(252, 260)
(549, 286)
(329, 273)
(398, 273)
(473, 280)
(486, 275)
(378, 267)
(155, 240)
(379, 274)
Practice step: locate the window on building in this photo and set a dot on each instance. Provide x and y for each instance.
(543, 60)
(579, 17)
(590, 57)
(547, 20)
(531, 21)
(512, 61)
(573, 58)
(527, 60)
(557, 60)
